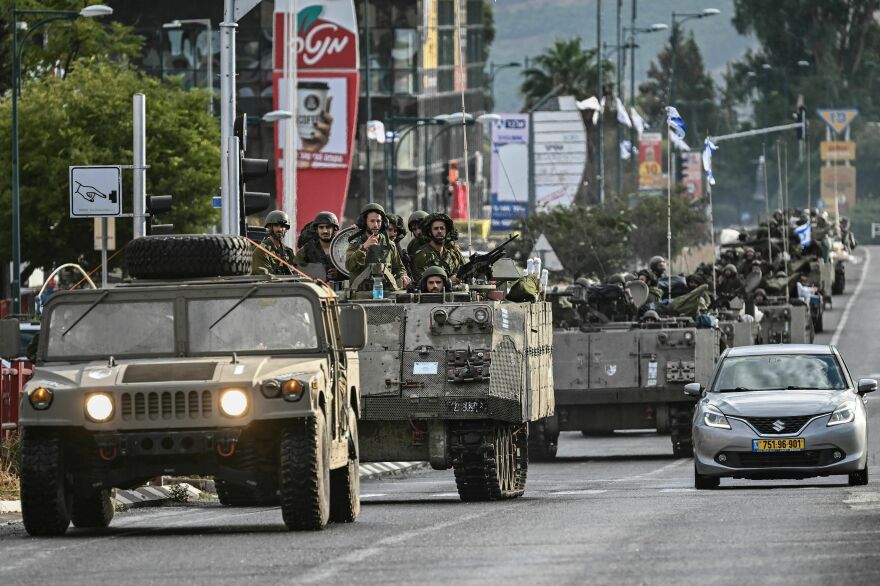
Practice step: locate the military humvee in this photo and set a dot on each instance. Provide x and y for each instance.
(454, 378)
(254, 380)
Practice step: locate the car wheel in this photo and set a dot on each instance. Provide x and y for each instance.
(305, 474)
(859, 477)
(702, 482)
(46, 498)
(345, 483)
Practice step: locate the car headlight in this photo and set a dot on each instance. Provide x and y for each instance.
(713, 417)
(99, 407)
(233, 403)
(846, 413)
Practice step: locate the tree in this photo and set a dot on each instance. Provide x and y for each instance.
(648, 217)
(86, 119)
(565, 64)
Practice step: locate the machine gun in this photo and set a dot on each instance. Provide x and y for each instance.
(481, 264)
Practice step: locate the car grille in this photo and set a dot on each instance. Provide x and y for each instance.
(167, 405)
(805, 459)
(765, 425)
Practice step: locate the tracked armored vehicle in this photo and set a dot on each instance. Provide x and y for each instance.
(197, 371)
(454, 378)
(785, 322)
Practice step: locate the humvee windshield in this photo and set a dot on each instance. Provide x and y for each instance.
(111, 328)
(251, 324)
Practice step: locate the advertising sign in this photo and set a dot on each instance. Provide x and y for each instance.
(839, 181)
(509, 180)
(560, 154)
(837, 150)
(651, 162)
(326, 45)
(692, 174)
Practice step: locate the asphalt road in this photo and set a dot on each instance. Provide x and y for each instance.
(610, 510)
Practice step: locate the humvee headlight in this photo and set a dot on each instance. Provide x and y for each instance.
(481, 316)
(233, 403)
(293, 390)
(440, 317)
(99, 407)
(271, 389)
(40, 398)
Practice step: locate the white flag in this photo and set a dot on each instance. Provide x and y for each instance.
(622, 116)
(638, 122)
(376, 131)
(708, 148)
(600, 109)
(591, 103)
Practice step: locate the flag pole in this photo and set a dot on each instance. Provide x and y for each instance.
(669, 208)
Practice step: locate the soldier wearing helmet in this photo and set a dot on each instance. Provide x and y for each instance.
(262, 263)
(370, 247)
(434, 280)
(441, 250)
(317, 248)
(414, 223)
(657, 264)
(397, 232)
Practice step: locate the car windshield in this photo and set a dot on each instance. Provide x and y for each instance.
(779, 371)
(251, 324)
(114, 328)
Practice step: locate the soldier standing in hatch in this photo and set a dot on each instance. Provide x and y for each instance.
(317, 250)
(370, 245)
(441, 250)
(657, 265)
(277, 223)
(414, 223)
(434, 280)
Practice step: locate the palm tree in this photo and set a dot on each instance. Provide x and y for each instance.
(566, 64)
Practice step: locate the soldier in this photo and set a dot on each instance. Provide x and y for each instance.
(370, 246)
(730, 284)
(434, 280)
(440, 250)
(414, 223)
(277, 223)
(657, 264)
(317, 250)
(396, 233)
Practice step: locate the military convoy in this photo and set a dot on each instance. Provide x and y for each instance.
(252, 379)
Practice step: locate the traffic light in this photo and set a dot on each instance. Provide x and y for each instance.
(251, 202)
(157, 204)
(450, 177)
(801, 118)
(680, 164)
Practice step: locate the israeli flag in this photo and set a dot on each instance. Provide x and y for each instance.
(708, 148)
(804, 232)
(675, 122)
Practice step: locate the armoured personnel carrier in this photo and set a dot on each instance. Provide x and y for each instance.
(786, 322)
(616, 375)
(252, 379)
(453, 378)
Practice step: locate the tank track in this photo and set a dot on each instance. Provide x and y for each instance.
(490, 459)
(680, 418)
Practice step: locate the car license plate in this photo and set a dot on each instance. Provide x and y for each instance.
(791, 444)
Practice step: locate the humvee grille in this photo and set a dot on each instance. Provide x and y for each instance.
(166, 405)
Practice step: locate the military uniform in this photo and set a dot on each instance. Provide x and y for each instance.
(356, 260)
(313, 252)
(263, 264)
(450, 260)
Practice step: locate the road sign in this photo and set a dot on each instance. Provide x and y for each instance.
(838, 120)
(839, 181)
(837, 150)
(111, 234)
(95, 191)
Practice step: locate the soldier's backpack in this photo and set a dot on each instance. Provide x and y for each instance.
(525, 289)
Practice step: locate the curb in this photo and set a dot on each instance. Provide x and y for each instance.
(147, 496)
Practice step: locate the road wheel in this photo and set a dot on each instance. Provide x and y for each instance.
(542, 445)
(305, 474)
(491, 460)
(345, 482)
(702, 482)
(187, 255)
(859, 477)
(92, 508)
(45, 496)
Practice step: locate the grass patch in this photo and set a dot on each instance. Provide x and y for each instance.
(10, 458)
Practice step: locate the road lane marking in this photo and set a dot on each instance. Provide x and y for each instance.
(373, 496)
(444, 494)
(653, 472)
(845, 317)
(678, 490)
(578, 492)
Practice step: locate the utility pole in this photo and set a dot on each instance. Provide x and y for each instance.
(634, 166)
(600, 156)
(369, 106)
(620, 53)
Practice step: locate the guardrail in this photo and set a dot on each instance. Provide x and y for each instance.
(12, 379)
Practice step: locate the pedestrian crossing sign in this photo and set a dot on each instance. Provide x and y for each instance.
(838, 120)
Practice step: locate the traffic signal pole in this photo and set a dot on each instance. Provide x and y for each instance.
(139, 162)
(228, 188)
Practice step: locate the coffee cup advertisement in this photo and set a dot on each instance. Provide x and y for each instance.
(321, 129)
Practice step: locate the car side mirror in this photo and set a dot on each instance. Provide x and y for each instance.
(9, 338)
(353, 326)
(693, 389)
(867, 385)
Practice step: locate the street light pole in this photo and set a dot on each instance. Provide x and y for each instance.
(493, 71)
(677, 19)
(205, 22)
(17, 50)
(600, 150)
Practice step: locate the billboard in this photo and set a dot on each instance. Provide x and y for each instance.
(560, 154)
(692, 174)
(509, 177)
(326, 45)
(839, 180)
(651, 162)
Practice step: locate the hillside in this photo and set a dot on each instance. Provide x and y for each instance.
(525, 27)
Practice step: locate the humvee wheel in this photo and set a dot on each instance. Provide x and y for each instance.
(174, 256)
(491, 460)
(304, 473)
(542, 445)
(45, 497)
(92, 508)
(345, 482)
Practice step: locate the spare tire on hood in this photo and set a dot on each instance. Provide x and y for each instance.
(179, 256)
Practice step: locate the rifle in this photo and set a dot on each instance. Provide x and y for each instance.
(481, 264)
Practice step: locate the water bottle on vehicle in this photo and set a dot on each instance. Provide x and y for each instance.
(378, 288)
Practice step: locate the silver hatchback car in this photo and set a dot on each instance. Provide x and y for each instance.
(780, 411)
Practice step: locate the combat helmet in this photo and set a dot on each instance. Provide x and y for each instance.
(655, 262)
(434, 271)
(372, 207)
(730, 267)
(326, 218)
(415, 219)
(397, 221)
(451, 234)
(277, 217)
